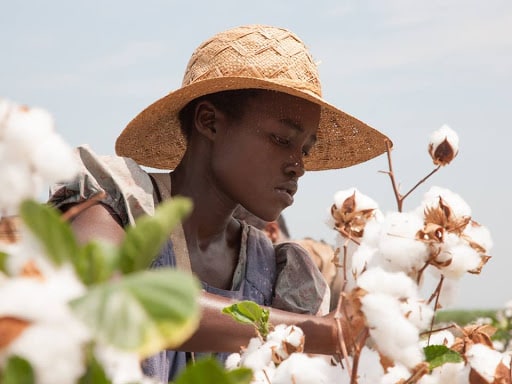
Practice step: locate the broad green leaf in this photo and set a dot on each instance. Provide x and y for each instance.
(437, 355)
(3, 261)
(97, 262)
(145, 240)
(240, 376)
(210, 371)
(248, 312)
(143, 312)
(17, 371)
(54, 233)
(94, 374)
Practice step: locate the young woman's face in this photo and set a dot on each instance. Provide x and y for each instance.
(258, 159)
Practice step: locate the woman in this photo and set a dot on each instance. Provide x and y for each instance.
(243, 128)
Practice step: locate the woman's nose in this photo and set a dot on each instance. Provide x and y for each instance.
(295, 167)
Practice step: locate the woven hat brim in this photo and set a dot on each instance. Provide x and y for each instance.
(154, 139)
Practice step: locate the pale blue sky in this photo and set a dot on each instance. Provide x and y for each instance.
(405, 67)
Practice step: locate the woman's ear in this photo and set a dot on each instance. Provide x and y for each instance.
(205, 118)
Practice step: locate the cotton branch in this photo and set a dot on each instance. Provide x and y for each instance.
(398, 196)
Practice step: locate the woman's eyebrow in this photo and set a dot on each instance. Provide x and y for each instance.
(299, 128)
(293, 124)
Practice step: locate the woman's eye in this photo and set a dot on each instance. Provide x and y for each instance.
(280, 140)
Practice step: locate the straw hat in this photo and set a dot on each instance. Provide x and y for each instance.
(251, 56)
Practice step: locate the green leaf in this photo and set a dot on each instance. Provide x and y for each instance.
(143, 312)
(437, 355)
(249, 312)
(17, 371)
(96, 262)
(210, 371)
(145, 240)
(54, 233)
(94, 374)
(3, 262)
(240, 375)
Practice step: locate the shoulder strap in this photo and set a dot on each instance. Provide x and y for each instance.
(162, 186)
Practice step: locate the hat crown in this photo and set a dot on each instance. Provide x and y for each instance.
(258, 52)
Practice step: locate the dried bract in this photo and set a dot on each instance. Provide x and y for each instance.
(473, 334)
(352, 213)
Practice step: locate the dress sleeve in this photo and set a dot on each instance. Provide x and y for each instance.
(299, 287)
(127, 187)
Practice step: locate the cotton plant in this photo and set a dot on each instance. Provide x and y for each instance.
(389, 255)
(63, 304)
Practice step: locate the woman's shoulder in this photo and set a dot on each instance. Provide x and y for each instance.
(122, 184)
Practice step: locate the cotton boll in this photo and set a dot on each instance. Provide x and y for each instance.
(361, 258)
(258, 358)
(443, 337)
(17, 180)
(449, 292)
(417, 312)
(395, 374)
(431, 199)
(254, 344)
(443, 145)
(54, 159)
(300, 368)
(288, 339)
(479, 234)
(464, 259)
(350, 212)
(5, 109)
(398, 247)
(370, 368)
(484, 360)
(63, 283)
(363, 202)
(43, 301)
(26, 128)
(55, 351)
(28, 250)
(120, 366)
(233, 361)
(372, 230)
(498, 345)
(453, 373)
(393, 334)
(395, 284)
(262, 376)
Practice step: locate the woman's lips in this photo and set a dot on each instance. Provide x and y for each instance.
(287, 190)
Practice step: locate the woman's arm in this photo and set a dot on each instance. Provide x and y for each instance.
(217, 331)
(97, 222)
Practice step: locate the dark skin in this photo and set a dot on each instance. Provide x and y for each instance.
(255, 161)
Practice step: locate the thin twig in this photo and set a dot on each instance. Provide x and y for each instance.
(420, 182)
(357, 356)
(339, 332)
(436, 294)
(398, 197)
(80, 207)
(432, 331)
